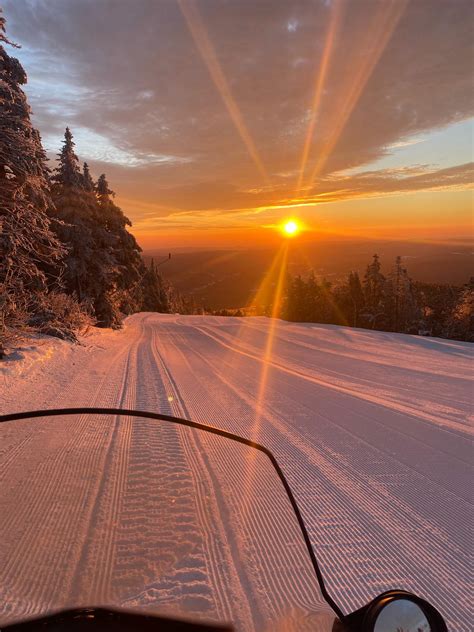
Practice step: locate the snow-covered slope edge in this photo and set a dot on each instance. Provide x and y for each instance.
(42, 366)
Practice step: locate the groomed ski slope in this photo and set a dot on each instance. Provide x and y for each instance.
(372, 430)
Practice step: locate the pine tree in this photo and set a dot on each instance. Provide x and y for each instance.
(102, 189)
(400, 299)
(398, 290)
(295, 306)
(374, 282)
(352, 299)
(461, 321)
(87, 181)
(104, 267)
(311, 300)
(67, 172)
(90, 268)
(438, 303)
(26, 239)
(156, 296)
(123, 248)
(86, 264)
(326, 312)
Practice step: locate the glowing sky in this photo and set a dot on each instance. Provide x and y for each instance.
(216, 119)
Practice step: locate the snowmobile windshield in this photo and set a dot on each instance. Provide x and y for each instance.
(107, 510)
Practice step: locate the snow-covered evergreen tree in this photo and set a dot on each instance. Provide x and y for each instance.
(309, 300)
(349, 297)
(461, 321)
(374, 282)
(74, 220)
(104, 267)
(400, 299)
(91, 268)
(295, 300)
(102, 189)
(357, 296)
(87, 181)
(26, 239)
(123, 249)
(68, 172)
(156, 296)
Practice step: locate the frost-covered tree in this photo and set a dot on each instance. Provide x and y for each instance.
(309, 300)
(87, 181)
(461, 321)
(349, 297)
(68, 172)
(374, 282)
(90, 266)
(400, 299)
(85, 263)
(356, 295)
(104, 267)
(156, 296)
(295, 306)
(26, 239)
(437, 302)
(398, 278)
(123, 249)
(102, 189)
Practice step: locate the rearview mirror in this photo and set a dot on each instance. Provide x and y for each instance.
(401, 614)
(396, 611)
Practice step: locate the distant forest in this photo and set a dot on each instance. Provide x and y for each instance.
(389, 303)
(66, 257)
(230, 278)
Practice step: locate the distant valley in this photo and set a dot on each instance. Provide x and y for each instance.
(218, 279)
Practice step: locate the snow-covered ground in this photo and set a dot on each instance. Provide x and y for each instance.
(372, 430)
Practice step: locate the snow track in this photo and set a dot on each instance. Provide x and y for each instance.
(371, 430)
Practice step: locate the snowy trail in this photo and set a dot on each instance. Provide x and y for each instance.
(372, 430)
(378, 509)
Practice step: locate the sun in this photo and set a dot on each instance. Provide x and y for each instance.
(290, 228)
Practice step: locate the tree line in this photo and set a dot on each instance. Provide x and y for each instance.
(66, 256)
(392, 302)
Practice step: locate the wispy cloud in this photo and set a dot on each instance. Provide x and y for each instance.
(139, 98)
(98, 148)
(408, 142)
(253, 205)
(389, 182)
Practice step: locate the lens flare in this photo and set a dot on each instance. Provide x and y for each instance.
(320, 83)
(380, 29)
(290, 228)
(208, 53)
(280, 270)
